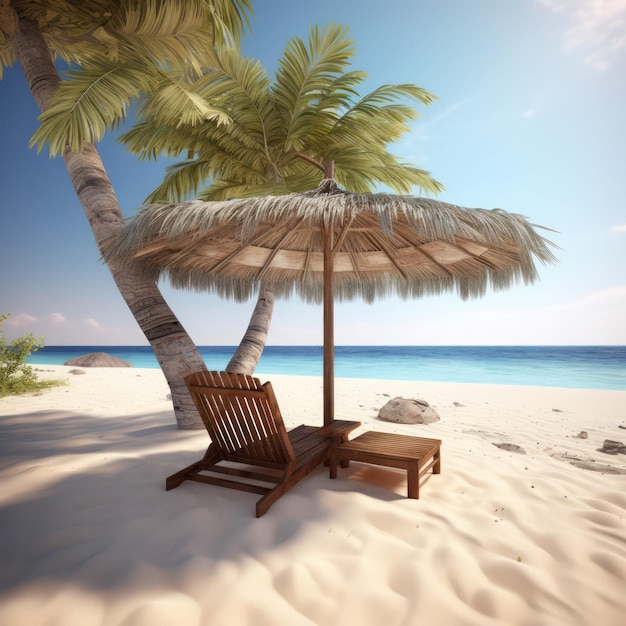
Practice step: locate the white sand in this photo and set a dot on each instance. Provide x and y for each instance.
(90, 537)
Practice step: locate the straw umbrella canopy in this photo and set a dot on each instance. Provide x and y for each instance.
(98, 359)
(331, 244)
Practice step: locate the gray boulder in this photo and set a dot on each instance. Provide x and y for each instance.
(408, 411)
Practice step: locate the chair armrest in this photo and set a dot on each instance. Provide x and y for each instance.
(338, 429)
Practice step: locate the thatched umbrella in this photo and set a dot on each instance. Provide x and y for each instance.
(329, 243)
(98, 359)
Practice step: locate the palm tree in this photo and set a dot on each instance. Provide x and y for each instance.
(121, 49)
(284, 136)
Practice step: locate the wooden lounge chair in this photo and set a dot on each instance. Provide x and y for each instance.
(250, 448)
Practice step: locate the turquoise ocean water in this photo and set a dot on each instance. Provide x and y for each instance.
(588, 367)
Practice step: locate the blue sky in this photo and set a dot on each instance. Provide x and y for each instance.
(530, 120)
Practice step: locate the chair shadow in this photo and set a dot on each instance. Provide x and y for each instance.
(84, 503)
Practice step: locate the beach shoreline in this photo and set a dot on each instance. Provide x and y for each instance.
(498, 537)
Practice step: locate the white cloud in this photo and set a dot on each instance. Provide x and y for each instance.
(597, 29)
(57, 329)
(530, 112)
(57, 318)
(92, 323)
(22, 320)
(102, 331)
(620, 228)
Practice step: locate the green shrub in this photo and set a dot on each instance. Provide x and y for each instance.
(16, 376)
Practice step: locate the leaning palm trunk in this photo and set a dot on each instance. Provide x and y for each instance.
(247, 356)
(174, 349)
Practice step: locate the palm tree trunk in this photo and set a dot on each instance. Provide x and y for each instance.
(247, 356)
(174, 349)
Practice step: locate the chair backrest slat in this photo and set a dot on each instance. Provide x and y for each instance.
(241, 416)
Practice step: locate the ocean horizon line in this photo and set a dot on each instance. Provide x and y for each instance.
(586, 366)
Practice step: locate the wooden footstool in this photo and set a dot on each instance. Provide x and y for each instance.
(415, 454)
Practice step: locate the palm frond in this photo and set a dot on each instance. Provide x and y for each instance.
(89, 102)
(225, 189)
(164, 33)
(7, 56)
(219, 160)
(363, 170)
(230, 19)
(306, 74)
(181, 182)
(65, 15)
(175, 103)
(175, 32)
(8, 25)
(378, 115)
(244, 84)
(307, 177)
(403, 178)
(149, 139)
(341, 92)
(253, 155)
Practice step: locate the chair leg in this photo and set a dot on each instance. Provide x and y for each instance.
(171, 482)
(210, 457)
(263, 505)
(288, 481)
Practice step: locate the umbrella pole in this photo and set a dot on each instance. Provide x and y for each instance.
(329, 326)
